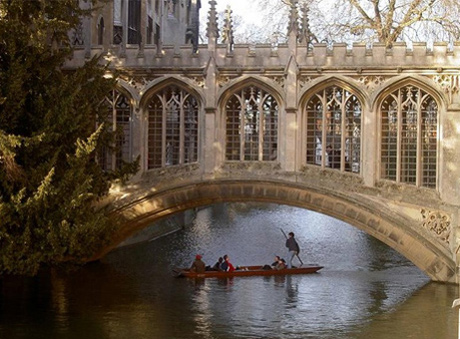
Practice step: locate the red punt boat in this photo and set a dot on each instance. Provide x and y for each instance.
(244, 271)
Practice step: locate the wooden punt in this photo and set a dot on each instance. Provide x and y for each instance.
(245, 271)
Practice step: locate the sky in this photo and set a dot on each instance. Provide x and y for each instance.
(246, 9)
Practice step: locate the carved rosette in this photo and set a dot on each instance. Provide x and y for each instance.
(371, 82)
(278, 79)
(449, 84)
(438, 223)
(199, 81)
(304, 80)
(222, 80)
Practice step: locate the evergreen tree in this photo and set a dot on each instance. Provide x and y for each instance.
(49, 179)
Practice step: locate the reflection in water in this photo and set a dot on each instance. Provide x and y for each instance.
(366, 290)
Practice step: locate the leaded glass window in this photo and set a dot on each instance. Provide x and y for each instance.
(251, 126)
(118, 119)
(173, 128)
(409, 137)
(333, 130)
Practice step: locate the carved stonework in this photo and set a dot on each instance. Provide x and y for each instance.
(224, 79)
(371, 82)
(137, 83)
(78, 36)
(199, 81)
(304, 80)
(278, 79)
(449, 84)
(438, 223)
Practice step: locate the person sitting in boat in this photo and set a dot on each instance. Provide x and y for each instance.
(218, 265)
(279, 263)
(198, 265)
(227, 265)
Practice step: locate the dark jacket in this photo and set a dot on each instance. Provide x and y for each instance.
(198, 266)
(292, 245)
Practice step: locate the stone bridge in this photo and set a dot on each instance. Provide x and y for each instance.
(368, 135)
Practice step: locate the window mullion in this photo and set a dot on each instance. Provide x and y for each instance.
(181, 129)
(242, 126)
(163, 132)
(261, 130)
(419, 155)
(323, 131)
(398, 139)
(342, 132)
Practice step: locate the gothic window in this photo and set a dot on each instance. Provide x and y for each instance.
(173, 128)
(409, 137)
(251, 126)
(117, 24)
(100, 31)
(333, 130)
(134, 21)
(118, 119)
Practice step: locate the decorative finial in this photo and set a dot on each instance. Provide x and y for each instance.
(227, 31)
(293, 18)
(213, 30)
(306, 36)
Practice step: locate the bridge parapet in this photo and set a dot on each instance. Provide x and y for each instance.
(440, 55)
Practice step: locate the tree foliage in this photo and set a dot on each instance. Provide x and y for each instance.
(49, 179)
(385, 21)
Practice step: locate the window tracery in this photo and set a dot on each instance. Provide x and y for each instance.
(118, 119)
(173, 128)
(409, 137)
(333, 130)
(251, 126)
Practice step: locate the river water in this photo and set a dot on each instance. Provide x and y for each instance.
(365, 290)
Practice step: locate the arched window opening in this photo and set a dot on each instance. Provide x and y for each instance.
(118, 119)
(333, 130)
(251, 126)
(173, 128)
(100, 32)
(409, 137)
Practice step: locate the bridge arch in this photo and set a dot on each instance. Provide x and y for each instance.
(366, 214)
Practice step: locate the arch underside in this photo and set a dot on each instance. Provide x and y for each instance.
(403, 235)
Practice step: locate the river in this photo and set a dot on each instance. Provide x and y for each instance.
(365, 290)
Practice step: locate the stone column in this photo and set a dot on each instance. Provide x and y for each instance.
(369, 154)
(86, 26)
(290, 156)
(449, 168)
(211, 141)
(143, 29)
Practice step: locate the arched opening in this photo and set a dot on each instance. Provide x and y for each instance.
(374, 218)
(172, 128)
(408, 137)
(251, 125)
(333, 129)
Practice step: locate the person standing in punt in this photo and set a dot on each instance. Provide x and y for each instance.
(198, 266)
(293, 248)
